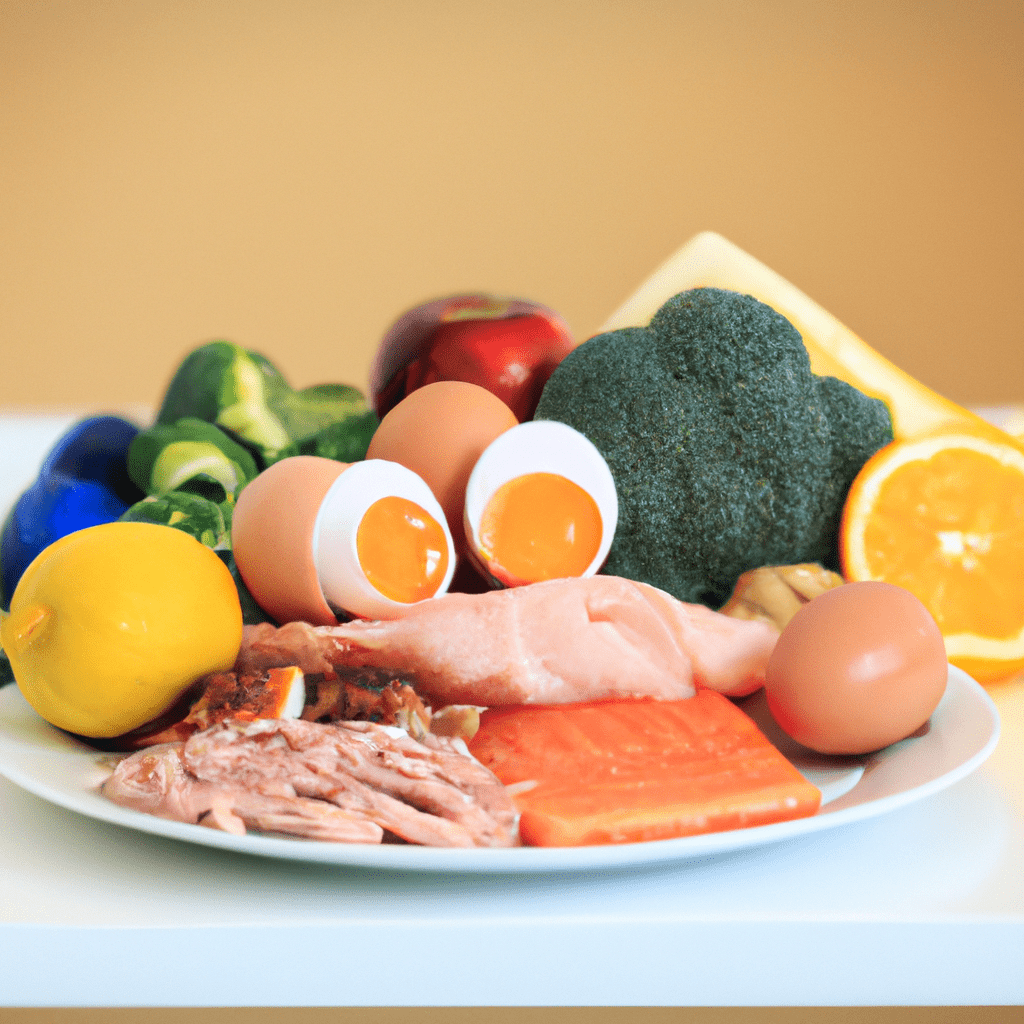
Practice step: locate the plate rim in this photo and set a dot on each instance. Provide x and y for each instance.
(962, 694)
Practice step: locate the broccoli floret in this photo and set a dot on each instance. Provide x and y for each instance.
(727, 452)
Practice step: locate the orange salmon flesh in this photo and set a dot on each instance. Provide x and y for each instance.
(625, 771)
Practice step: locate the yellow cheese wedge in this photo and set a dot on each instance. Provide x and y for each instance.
(709, 260)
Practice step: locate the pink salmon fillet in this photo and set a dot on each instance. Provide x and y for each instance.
(554, 642)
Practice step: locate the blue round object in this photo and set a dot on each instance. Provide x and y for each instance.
(83, 482)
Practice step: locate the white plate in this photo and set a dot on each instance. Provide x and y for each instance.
(962, 733)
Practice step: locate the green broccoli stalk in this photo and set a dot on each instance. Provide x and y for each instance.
(344, 440)
(727, 452)
(245, 394)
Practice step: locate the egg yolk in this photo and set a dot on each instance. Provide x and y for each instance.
(402, 550)
(539, 526)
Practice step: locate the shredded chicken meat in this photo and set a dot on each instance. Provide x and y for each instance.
(342, 782)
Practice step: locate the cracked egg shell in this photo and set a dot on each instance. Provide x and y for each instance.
(540, 504)
(310, 534)
(272, 537)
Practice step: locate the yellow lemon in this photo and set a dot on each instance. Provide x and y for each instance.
(111, 624)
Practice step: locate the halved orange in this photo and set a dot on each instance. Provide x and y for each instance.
(943, 517)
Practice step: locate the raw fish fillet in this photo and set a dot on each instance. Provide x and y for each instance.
(547, 643)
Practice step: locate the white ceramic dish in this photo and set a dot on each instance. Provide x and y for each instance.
(962, 733)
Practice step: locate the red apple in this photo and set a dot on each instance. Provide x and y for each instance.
(508, 346)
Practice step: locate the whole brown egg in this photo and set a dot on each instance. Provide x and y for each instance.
(857, 668)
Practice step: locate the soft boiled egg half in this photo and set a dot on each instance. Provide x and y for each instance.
(314, 539)
(540, 505)
(381, 541)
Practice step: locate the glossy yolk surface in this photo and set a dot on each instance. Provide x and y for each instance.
(539, 526)
(402, 549)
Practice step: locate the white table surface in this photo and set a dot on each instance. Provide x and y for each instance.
(921, 906)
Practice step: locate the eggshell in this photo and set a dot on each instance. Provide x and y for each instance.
(857, 668)
(272, 536)
(439, 431)
(541, 446)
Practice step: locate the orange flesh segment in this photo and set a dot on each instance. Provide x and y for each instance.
(954, 551)
(539, 526)
(402, 550)
(636, 770)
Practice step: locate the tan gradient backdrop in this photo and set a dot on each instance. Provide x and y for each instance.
(292, 175)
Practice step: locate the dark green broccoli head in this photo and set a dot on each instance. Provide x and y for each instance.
(727, 452)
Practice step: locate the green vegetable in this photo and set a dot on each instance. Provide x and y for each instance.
(203, 519)
(346, 441)
(245, 394)
(190, 454)
(6, 672)
(252, 613)
(727, 452)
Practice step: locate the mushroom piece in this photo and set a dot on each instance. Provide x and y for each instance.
(775, 593)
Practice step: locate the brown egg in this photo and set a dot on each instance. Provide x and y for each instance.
(439, 431)
(313, 538)
(272, 537)
(856, 669)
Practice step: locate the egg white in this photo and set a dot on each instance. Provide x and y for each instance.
(542, 446)
(342, 579)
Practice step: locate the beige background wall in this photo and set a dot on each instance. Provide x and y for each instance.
(293, 175)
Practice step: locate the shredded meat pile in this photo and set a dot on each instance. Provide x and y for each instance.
(342, 782)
